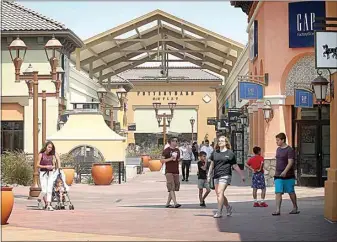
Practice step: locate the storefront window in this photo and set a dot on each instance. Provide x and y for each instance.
(12, 135)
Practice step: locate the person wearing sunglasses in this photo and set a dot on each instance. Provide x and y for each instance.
(222, 162)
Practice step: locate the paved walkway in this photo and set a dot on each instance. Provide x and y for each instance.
(134, 212)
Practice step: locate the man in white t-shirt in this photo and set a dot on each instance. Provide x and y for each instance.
(208, 150)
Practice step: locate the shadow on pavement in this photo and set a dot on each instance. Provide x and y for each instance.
(258, 224)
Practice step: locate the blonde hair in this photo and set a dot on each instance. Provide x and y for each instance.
(227, 143)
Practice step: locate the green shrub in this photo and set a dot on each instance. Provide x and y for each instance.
(67, 160)
(16, 169)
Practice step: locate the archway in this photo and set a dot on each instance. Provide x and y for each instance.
(84, 156)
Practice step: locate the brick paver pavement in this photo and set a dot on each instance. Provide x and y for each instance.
(135, 211)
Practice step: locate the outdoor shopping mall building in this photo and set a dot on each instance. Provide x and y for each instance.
(281, 45)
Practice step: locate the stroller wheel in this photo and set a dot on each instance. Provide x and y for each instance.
(71, 207)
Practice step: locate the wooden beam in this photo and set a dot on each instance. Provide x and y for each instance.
(125, 68)
(201, 33)
(119, 60)
(201, 45)
(204, 58)
(120, 31)
(115, 49)
(205, 66)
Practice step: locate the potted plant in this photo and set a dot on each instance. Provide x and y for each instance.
(67, 165)
(15, 169)
(146, 158)
(156, 153)
(102, 173)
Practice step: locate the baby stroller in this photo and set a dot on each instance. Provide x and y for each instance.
(56, 202)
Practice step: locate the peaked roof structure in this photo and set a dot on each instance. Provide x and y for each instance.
(152, 38)
(19, 20)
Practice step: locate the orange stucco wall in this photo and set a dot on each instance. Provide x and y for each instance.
(276, 58)
(11, 112)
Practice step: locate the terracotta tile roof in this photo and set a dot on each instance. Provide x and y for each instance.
(176, 73)
(15, 17)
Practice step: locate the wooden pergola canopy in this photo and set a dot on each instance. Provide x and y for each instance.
(152, 38)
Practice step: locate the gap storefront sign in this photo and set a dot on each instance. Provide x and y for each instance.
(302, 17)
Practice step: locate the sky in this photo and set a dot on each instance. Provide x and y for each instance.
(88, 18)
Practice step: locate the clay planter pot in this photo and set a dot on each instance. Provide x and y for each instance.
(155, 165)
(146, 160)
(70, 174)
(7, 202)
(102, 173)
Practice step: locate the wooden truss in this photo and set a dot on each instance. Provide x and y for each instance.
(155, 37)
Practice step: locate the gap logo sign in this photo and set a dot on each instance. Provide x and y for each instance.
(302, 16)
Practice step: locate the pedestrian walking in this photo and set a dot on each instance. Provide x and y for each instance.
(222, 162)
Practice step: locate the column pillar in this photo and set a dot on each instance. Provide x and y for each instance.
(251, 125)
(261, 127)
(255, 125)
(330, 204)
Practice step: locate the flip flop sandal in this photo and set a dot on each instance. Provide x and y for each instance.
(294, 212)
(276, 214)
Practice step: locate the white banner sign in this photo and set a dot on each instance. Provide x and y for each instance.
(326, 49)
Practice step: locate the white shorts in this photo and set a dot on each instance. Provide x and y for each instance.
(223, 180)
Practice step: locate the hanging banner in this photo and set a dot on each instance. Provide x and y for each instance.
(303, 98)
(251, 91)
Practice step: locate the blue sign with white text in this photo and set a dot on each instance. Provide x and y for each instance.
(251, 91)
(303, 98)
(302, 16)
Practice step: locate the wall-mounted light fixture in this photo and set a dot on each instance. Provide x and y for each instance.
(320, 87)
(268, 111)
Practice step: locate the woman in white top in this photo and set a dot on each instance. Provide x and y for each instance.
(186, 156)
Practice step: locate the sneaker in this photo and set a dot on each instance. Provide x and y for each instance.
(49, 208)
(229, 210)
(256, 204)
(217, 215)
(263, 204)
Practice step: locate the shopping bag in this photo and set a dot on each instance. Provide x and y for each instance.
(211, 182)
(163, 168)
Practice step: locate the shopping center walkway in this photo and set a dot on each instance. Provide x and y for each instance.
(135, 211)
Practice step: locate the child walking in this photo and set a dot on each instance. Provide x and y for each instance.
(255, 164)
(202, 178)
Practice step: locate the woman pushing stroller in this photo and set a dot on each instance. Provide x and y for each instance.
(49, 160)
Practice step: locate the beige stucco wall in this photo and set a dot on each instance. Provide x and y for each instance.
(13, 92)
(200, 89)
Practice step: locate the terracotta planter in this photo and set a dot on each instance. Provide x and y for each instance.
(146, 160)
(7, 202)
(102, 173)
(69, 172)
(155, 165)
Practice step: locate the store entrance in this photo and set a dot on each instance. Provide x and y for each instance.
(313, 146)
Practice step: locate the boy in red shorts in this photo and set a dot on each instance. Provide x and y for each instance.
(255, 164)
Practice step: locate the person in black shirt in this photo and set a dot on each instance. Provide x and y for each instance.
(222, 162)
(202, 178)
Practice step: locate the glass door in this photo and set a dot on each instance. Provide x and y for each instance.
(308, 154)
